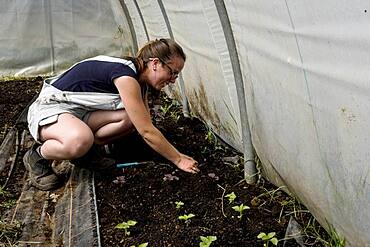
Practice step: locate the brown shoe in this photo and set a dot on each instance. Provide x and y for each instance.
(41, 175)
(62, 168)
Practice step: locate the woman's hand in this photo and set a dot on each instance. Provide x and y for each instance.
(187, 164)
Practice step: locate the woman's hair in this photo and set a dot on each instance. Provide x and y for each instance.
(163, 49)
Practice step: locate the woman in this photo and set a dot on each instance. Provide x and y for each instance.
(97, 101)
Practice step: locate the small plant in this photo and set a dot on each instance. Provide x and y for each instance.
(9, 203)
(240, 209)
(3, 192)
(165, 109)
(179, 204)
(213, 140)
(141, 245)
(210, 137)
(231, 197)
(175, 115)
(10, 232)
(207, 241)
(186, 217)
(126, 225)
(268, 238)
(334, 238)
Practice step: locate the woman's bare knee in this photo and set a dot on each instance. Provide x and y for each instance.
(77, 144)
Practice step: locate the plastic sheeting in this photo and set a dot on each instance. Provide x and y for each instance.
(42, 37)
(304, 75)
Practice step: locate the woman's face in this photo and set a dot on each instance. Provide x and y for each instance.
(162, 73)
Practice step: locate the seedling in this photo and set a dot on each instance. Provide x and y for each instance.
(126, 225)
(179, 204)
(207, 241)
(210, 137)
(186, 217)
(9, 203)
(231, 197)
(141, 245)
(3, 192)
(240, 209)
(268, 238)
(165, 109)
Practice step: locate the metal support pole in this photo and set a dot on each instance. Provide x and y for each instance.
(250, 170)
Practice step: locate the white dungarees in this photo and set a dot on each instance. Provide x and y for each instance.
(52, 102)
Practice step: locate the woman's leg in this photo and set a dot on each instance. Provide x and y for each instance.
(109, 125)
(68, 138)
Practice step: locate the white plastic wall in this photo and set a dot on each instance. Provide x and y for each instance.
(304, 74)
(40, 37)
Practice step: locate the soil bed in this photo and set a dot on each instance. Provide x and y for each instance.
(148, 194)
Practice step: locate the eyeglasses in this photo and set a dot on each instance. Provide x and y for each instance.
(174, 74)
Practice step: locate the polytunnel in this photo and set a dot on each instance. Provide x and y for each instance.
(284, 79)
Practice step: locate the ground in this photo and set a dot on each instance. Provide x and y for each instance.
(148, 194)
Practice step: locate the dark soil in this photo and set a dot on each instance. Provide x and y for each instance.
(15, 96)
(147, 194)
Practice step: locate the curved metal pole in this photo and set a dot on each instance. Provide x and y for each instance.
(250, 170)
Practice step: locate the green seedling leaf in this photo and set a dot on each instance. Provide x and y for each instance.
(141, 245)
(126, 225)
(3, 192)
(268, 238)
(8, 204)
(179, 204)
(240, 209)
(274, 241)
(207, 241)
(231, 197)
(186, 217)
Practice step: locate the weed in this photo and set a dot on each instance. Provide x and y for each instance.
(268, 238)
(335, 239)
(186, 217)
(272, 194)
(175, 115)
(207, 241)
(240, 209)
(171, 109)
(231, 197)
(126, 225)
(290, 206)
(165, 109)
(179, 204)
(9, 233)
(212, 139)
(9, 203)
(3, 192)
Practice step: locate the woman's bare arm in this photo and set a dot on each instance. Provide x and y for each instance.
(130, 92)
